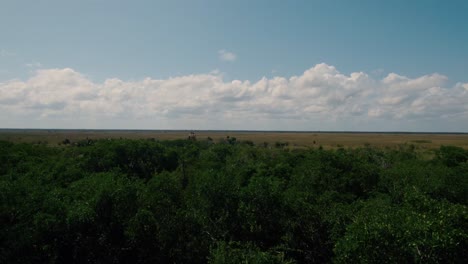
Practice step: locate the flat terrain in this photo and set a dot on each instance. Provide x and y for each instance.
(294, 139)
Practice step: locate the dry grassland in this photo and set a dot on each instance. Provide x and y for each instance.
(294, 139)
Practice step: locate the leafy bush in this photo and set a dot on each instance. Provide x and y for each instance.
(148, 201)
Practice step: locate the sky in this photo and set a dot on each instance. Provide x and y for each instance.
(235, 65)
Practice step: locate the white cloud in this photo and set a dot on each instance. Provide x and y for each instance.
(319, 99)
(33, 65)
(464, 86)
(6, 53)
(226, 55)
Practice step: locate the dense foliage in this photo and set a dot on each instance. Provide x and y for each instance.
(147, 201)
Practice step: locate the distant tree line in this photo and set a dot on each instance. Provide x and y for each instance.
(188, 201)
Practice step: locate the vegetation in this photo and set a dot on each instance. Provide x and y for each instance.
(328, 140)
(188, 201)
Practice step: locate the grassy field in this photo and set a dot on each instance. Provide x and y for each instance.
(294, 139)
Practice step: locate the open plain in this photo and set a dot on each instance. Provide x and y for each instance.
(328, 140)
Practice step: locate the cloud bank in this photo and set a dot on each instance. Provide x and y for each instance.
(321, 98)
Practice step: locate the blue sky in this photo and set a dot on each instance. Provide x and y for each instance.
(101, 40)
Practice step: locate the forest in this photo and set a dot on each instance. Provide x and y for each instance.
(200, 201)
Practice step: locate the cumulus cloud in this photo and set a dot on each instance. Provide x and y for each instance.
(226, 55)
(321, 98)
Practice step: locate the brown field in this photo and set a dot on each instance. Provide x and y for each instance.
(294, 139)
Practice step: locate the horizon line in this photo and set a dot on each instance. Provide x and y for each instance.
(237, 130)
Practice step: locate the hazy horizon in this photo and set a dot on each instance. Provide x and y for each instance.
(223, 130)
